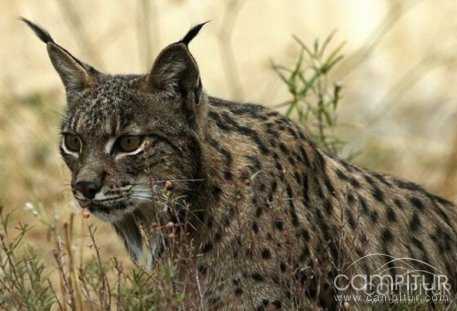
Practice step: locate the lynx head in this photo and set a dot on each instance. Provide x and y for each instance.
(123, 136)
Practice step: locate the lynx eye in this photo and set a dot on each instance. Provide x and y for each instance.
(129, 143)
(72, 142)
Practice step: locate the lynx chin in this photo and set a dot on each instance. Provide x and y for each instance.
(252, 213)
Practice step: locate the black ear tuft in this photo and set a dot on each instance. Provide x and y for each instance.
(38, 30)
(192, 33)
(75, 74)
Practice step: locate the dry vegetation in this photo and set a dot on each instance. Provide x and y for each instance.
(395, 95)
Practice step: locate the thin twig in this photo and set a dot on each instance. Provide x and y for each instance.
(200, 293)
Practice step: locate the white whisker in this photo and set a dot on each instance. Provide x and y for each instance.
(142, 197)
(177, 180)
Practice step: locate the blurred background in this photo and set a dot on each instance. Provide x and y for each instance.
(398, 108)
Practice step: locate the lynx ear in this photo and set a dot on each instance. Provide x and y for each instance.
(176, 73)
(75, 75)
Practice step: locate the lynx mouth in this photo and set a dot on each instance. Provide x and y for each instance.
(111, 206)
(93, 207)
(97, 208)
(110, 213)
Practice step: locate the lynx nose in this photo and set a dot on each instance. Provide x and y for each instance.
(88, 188)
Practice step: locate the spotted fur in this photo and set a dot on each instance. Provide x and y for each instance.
(272, 219)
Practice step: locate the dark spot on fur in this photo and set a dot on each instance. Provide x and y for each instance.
(273, 114)
(341, 175)
(255, 227)
(274, 186)
(301, 277)
(278, 166)
(282, 266)
(416, 242)
(417, 203)
(214, 301)
(225, 122)
(369, 180)
(226, 220)
(304, 254)
(283, 148)
(360, 252)
(292, 132)
(228, 175)
(443, 239)
(328, 208)
(348, 178)
(293, 214)
(386, 236)
(320, 161)
(378, 194)
(305, 189)
(305, 235)
(415, 222)
(262, 187)
(364, 205)
(277, 304)
(202, 269)
(208, 246)
(354, 182)
(304, 157)
(231, 211)
(244, 176)
(350, 218)
(257, 277)
(397, 202)
(329, 186)
(391, 216)
(351, 198)
(294, 217)
(266, 254)
(217, 192)
(255, 163)
(382, 179)
(440, 200)
(279, 225)
(407, 185)
(319, 191)
(389, 262)
(373, 216)
(290, 193)
(297, 177)
(263, 305)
